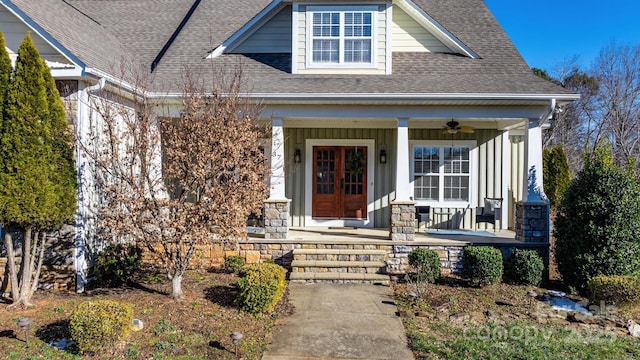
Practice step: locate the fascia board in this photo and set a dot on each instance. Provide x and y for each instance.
(43, 34)
(435, 28)
(246, 30)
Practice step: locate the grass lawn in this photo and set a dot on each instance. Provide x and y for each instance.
(196, 328)
(449, 321)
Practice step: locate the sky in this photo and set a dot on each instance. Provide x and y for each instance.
(547, 32)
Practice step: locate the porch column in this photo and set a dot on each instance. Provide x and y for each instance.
(403, 192)
(532, 213)
(276, 207)
(403, 207)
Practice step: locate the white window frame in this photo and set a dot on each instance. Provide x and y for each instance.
(473, 164)
(310, 10)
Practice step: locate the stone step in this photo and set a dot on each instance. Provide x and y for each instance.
(339, 277)
(328, 263)
(340, 251)
(339, 255)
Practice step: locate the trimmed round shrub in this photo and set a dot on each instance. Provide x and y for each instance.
(481, 265)
(597, 229)
(614, 289)
(261, 287)
(426, 264)
(117, 263)
(233, 264)
(98, 325)
(523, 267)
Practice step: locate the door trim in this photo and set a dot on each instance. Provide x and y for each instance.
(308, 185)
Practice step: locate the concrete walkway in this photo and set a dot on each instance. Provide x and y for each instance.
(340, 321)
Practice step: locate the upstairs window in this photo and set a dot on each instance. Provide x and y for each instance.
(341, 36)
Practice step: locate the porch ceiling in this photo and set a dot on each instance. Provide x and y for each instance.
(414, 123)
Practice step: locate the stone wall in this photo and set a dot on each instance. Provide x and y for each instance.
(57, 269)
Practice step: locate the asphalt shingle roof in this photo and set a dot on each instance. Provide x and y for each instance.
(139, 28)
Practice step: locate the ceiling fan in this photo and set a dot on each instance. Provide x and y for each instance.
(453, 127)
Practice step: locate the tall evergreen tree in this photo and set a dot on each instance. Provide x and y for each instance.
(37, 191)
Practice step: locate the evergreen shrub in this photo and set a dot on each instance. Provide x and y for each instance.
(426, 264)
(117, 263)
(233, 264)
(597, 228)
(614, 289)
(97, 325)
(482, 265)
(261, 287)
(523, 267)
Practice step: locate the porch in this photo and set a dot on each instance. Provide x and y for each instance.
(367, 254)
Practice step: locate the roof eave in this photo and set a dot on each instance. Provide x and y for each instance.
(16, 11)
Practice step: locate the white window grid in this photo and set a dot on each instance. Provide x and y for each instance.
(442, 173)
(341, 36)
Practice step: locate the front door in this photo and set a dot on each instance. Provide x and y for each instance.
(339, 182)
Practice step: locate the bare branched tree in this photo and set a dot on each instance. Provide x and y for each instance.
(171, 184)
(617, 70)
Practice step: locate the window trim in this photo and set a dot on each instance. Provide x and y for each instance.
(310, 10)
(473, 166)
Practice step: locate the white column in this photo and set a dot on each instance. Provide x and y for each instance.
(276, 181)
(403, 192)
(533, 189)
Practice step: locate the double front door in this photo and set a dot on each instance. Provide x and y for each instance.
(339, 182)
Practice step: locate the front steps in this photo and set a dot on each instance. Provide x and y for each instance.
(339, 266)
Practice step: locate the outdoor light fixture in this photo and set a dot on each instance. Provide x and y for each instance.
(297, 156)
(24, 324)
(383, 156)
(236, 337)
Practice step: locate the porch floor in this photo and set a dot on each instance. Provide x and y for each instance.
(374, 235)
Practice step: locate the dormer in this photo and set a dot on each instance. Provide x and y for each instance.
(328, 37)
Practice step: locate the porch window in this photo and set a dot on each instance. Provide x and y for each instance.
(341, 35)
(441, 173)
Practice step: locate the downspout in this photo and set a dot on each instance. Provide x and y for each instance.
(549, 113)
(79, 254)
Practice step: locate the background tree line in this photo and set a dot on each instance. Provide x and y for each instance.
(608, 110)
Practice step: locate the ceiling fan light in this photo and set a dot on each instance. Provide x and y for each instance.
(452, 131)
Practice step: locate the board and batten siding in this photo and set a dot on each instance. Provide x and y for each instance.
(273, 37)
(384, 174)
(409, 36)
(15, 30)
(488, 180)
(301, 47)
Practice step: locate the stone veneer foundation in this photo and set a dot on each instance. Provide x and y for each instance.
(276, 219)
(532, 222)
(403, 216)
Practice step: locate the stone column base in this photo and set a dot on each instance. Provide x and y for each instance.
(276, 218)
(532, 222)
(403, 216)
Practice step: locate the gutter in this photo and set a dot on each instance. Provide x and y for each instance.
(389, 98)
(79, 255)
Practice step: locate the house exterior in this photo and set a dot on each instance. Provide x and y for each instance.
(376, 106)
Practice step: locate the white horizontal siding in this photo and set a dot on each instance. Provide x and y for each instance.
(15, 30)
(302, 36)
(272, 37)
(409, 36)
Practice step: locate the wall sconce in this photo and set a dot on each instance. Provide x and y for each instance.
(383, 156)
(297, 156)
